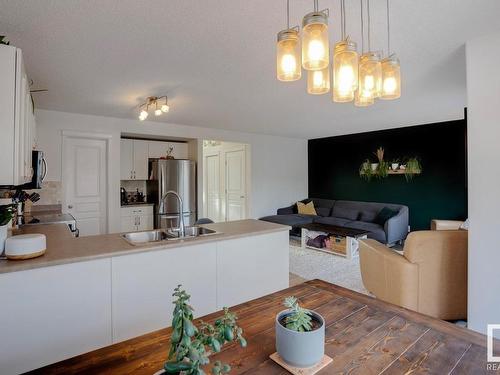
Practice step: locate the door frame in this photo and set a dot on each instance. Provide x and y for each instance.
(75, 134)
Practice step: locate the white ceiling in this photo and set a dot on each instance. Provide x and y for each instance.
(216, 60)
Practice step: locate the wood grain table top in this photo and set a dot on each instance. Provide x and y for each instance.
(363, 336)
(335, 230)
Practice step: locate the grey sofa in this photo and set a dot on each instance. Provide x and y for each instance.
(351, 214)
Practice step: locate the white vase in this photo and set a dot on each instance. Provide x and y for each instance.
(395, 166)
(3, 236)
(374, 166)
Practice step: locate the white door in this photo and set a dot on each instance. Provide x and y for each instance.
(235, 185)
(126, 159)
(85, 182)
(213, 187)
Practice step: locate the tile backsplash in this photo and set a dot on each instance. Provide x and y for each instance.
(50, 193)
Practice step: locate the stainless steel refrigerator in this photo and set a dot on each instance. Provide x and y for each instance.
(176, 175)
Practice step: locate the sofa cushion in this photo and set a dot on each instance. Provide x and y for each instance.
(292, 220)
(376, 231)
(385, 214)
(368, 216)
(337, 221)
(306, 208)
(345, 212)
(323, 211)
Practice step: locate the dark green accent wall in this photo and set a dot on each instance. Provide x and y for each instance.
(439, 192)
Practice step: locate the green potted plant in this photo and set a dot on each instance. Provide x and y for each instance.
(300, 335)
(6, 213)
(191, 346)
(412, 168)
(365, 170)
(3, 40)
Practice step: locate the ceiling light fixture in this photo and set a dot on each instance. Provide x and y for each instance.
(362, 78)
(345, 65)
(315, 43)
(153, 102)
(391, 70)
(288, 65)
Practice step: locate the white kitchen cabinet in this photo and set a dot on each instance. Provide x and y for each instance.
(143, 285)
(133, 159)
(17, 120)
(251, 267)
(126, 159)
(158, 149)
(136, 218)
(53, 313)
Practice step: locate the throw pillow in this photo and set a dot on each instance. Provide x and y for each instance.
(306, 209)
(385, 214)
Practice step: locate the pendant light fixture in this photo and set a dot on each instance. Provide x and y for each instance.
(370, 70)
(391, 70)
(288, 64)
(318, 81)
(315, 43)
(345, 65)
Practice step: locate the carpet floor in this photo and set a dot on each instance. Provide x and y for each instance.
(311, 264)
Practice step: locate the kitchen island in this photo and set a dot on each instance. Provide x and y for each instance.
(90, 292)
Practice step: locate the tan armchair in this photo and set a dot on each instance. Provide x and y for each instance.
(430, 277)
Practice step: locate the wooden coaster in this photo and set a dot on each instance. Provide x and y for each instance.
(302, 371)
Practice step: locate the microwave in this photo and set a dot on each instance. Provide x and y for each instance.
(39, 170)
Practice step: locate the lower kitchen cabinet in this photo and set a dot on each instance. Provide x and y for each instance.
(143, 285)
(50, 314)
(136, 218)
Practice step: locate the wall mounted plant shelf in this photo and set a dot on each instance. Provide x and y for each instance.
(381, 169)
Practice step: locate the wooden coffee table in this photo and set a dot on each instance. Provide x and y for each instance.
(363, 336)
(344, 241)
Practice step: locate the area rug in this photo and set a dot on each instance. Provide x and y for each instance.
(312, 264)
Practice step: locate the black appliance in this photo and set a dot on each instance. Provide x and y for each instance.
(39, 170)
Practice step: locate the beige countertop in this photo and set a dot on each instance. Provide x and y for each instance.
(63, 248)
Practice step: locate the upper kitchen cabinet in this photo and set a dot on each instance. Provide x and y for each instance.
(158, 149)
(133, 159)
(17, 120)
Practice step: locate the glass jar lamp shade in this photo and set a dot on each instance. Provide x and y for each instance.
(318, 81)
(391, 78)
(370, 76)
(345, 71)
(315, 44)
(288, 65)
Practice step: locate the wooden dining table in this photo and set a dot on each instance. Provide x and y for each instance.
(364, 335)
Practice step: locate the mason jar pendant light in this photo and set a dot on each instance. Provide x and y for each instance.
(318, 81)
(288, 65)
(391, 70)
(370, 70)
(345, 65)
(315, 43)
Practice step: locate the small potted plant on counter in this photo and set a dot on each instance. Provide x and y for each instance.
(191, 346)
(300, 335)
(412, 168)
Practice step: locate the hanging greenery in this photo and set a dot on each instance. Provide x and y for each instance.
(3, 40)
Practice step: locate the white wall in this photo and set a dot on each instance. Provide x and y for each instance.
(278, 166)
(483, 91)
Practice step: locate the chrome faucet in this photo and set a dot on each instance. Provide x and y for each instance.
(181, 210)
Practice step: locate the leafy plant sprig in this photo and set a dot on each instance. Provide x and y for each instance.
(299, 319)
(365, 170)
(6, 213)
(188, 350)
(3, 40)
(413, 167)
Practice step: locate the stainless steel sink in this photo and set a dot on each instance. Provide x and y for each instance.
(159, 235)
(192, 232)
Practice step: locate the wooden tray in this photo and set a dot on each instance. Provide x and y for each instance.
(302, 371)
